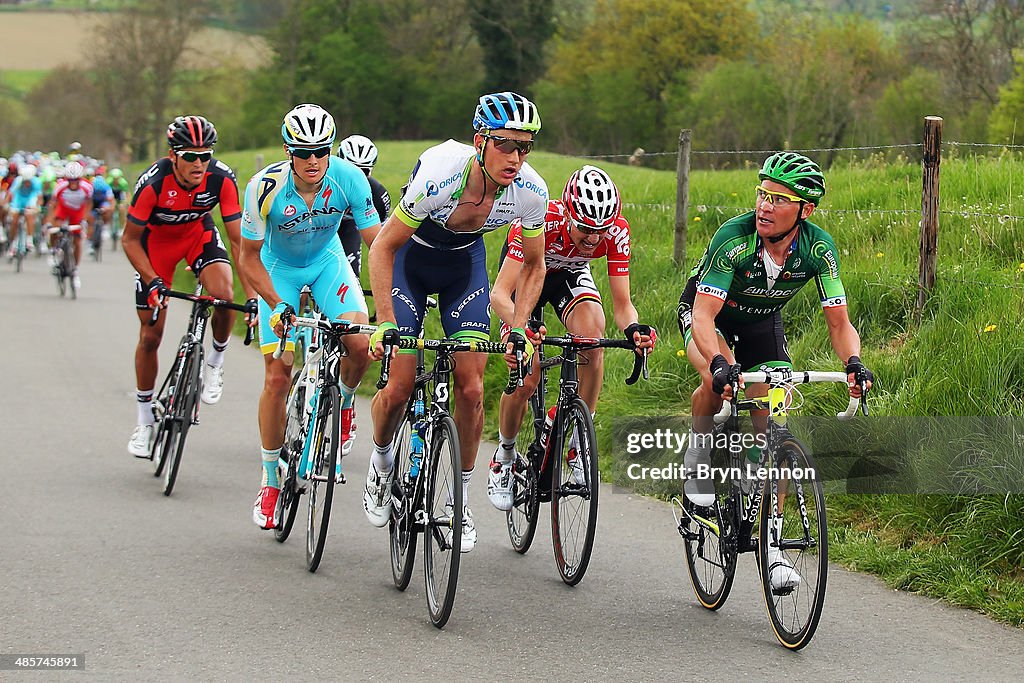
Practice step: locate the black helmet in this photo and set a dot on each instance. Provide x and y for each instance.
(191, 131)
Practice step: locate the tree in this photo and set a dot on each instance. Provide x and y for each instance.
(901, 109)
(512, 36)
(1006, 123)
(143, 47)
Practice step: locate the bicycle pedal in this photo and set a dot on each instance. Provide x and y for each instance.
(339, 478)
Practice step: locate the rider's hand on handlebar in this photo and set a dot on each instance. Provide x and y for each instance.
(252, 312)
(643, 336)
(283, 312)
(858, 374)
(517, 339)
(376, 349)
(724, 375)
(157, 297)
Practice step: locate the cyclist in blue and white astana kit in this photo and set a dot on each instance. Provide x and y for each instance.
(289, 240)
(433, 243)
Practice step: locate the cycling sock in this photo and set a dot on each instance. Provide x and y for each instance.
(504, 453)
(270, 461)
(216, 357)
(348, 394)
(505, 441)
(466, 476)
(144, 402)
(383, 457)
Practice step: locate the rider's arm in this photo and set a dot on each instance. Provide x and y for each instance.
(504, 287)
(234, 231)
(370, 234)
(389, 240)
(252, 270)
(705, 310)
(622, 303)
(841, 331)
(131, 242)
(530, 280)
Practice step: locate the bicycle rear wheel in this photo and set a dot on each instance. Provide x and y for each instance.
(324, 452)
(291, 451)
(710, 554)
(186, 397)
(401, 528)
(521, 520)
(792, 550)
(442, 537)
(575, 484)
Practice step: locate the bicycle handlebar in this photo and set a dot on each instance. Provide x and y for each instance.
(585, 343)
(207, 300)
(786, 376)
(436, 345)
(336, 327)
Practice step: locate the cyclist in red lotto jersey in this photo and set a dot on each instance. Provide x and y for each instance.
(169, 221)
(585, 225)
(71, 204)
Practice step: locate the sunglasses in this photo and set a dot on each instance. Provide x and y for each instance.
(192, 157)
(586, 230)
(775, 198)
(305, 152)
(508, 145)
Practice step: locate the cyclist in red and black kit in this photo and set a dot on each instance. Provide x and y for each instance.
(169, 221)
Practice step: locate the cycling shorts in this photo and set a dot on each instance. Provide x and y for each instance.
(457, 276)
(21, 202)
(335, 288)
(199, 245)
(73, 216)
(756, 345)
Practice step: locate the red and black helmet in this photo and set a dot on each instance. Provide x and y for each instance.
(191, 131)
(591, 198)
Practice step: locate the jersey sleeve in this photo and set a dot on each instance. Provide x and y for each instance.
(830, 285)
(229, 205)
(515, 241)
(535, 211)
(144, 199)
(618, 248)
(254, 224)
(716, 268)
(381, 200)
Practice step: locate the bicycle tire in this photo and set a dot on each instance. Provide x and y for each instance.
(442, 536)
(164, 436)
(186, 399)
(68, 268)
(288, 499)
(711, 555)
(574, 525)
(325, 451)
(521, 521)
(794, 612)
(402, 531)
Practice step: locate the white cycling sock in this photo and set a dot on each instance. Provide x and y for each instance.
(144, 403)
(383, 457)
(216, 357)
(466, 476)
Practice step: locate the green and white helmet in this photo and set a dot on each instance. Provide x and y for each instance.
(797, 172)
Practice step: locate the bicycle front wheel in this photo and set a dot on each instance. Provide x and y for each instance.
(710, 557)
(575, 484)
(69, 269)
(288, 500)
(792, 549)
(521, 520)
(401, 528)
(325, 454)
(442, 537)
(184, 403)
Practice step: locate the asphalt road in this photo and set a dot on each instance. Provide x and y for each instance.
(94, 560)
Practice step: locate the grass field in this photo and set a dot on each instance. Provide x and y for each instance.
(964, 358)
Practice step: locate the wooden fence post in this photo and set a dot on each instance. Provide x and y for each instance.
(932, 153)
(682, 196)
(259, 163)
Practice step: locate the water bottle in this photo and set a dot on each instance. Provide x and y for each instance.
(417, 408)
(549, 420)
(312, 372)
(416, 451)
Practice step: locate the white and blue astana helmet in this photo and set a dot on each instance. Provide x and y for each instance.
(506, 110)
(308, 125)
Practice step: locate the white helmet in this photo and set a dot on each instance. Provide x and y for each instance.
(360, 150)
(308, 125)
(27, 171)
(73, 170)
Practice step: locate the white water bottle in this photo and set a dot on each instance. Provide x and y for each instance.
(549, 420)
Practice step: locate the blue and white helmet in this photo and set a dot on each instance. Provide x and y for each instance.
(506, 110)
(308, 125)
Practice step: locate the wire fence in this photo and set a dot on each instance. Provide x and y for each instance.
(751, 152)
